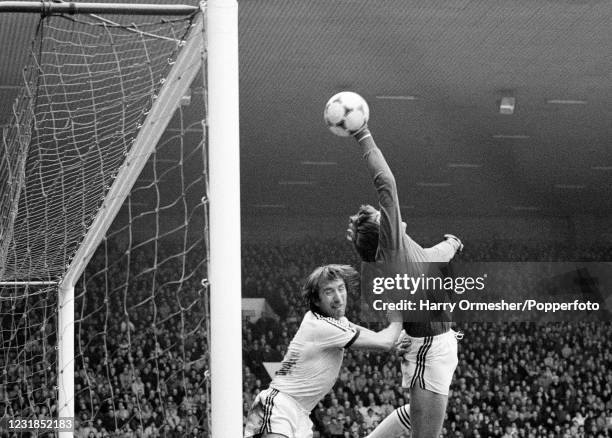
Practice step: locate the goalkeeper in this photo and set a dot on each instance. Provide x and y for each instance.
(428, 366)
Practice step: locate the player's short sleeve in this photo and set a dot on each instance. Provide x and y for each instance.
(331, 333)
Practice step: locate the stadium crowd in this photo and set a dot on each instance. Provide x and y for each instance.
(141, 352)
(142, 370)
(514, 379)
(142, 355)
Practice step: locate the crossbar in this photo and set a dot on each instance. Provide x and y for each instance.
(28, 283)
(49, 8)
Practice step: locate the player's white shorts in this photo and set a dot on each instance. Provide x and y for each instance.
(275, 412)
(430, 362)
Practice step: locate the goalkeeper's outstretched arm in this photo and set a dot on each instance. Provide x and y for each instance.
(392, 229)
(379, 170)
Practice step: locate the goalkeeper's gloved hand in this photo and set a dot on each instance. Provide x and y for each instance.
(362, 133)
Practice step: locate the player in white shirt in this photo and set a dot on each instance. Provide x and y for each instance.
(314, 357)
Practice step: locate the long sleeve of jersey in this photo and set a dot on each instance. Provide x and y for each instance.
(391, 229)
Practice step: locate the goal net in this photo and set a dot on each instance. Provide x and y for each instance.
(94, 89)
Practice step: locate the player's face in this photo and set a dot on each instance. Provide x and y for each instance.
(332, 298)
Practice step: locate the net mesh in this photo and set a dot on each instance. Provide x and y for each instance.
(141, 349)
(15, 141)
(28, 358)
(141, 333)
(90, 87)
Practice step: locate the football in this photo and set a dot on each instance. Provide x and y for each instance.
(346, 113)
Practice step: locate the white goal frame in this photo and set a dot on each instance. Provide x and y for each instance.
(218, 44)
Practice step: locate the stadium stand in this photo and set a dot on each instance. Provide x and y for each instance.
(513, 380)
(548, 380)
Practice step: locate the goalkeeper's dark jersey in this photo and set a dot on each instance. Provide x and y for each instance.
(395, 246)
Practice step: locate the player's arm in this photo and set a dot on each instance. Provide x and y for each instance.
(392, 230)
(444, 251)
(382, 340)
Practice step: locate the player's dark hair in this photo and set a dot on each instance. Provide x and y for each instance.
(366, 229)
(324, 274)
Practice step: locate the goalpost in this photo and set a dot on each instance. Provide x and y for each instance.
(225, 263)
(222, 201)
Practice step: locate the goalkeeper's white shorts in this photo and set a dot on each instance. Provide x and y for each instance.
(430, 362)
(275, 412)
